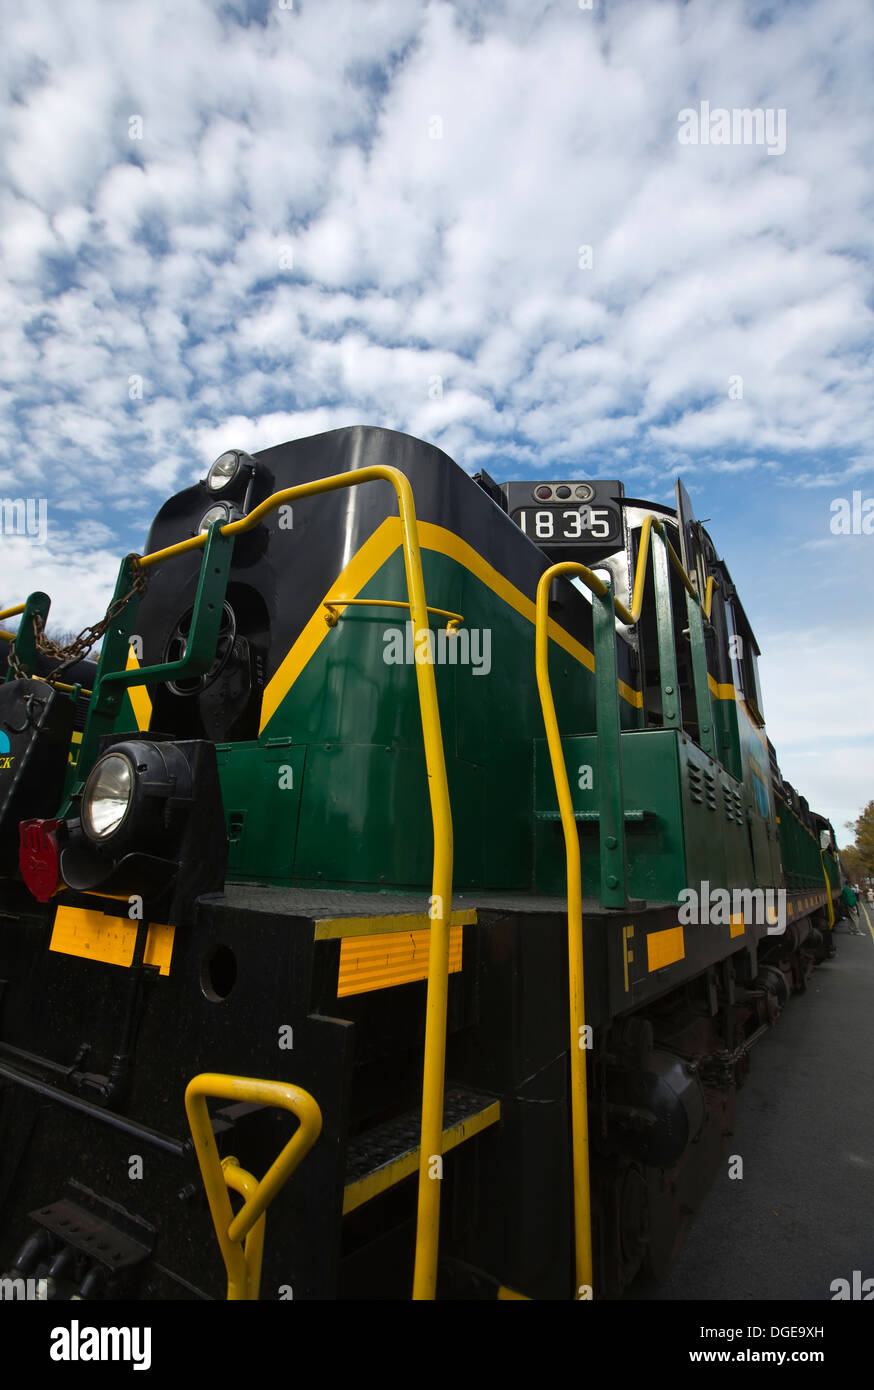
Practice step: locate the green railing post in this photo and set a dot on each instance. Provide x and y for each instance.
(206, 618)
(611, 816)
(706, 732)
(112, 678)
(37, 605)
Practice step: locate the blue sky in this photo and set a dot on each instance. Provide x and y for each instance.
(287, 217)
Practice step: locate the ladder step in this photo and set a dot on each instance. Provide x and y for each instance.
(385, 1155)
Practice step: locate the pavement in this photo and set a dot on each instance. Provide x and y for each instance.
(802, 1214)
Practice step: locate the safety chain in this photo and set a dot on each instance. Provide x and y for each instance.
(82, 644)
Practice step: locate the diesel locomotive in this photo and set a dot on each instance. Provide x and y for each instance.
(393, 906)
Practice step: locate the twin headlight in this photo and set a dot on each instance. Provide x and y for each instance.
(232, 474)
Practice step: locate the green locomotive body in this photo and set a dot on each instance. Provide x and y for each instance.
(233, 861)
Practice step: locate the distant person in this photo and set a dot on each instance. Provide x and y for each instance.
(870, 895)
(850, 902)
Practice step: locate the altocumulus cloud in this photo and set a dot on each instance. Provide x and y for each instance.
(237, 223)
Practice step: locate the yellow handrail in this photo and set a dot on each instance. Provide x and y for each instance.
(633, 616)
(332, 617)
(576, 974)
(244, 1265)
(238, 1180)
(428, 1212)
(12, 612)
(828, 889)
(579, 1102)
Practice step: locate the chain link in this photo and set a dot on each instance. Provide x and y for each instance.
(81, 645)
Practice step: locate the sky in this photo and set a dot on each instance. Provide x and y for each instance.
(509, 227)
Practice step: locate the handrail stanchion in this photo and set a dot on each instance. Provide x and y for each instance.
(238, 1180)
(244, 1265)
(828, 889)
(611, 817)
(576, 976)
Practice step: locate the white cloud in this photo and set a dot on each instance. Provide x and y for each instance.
(309, 130)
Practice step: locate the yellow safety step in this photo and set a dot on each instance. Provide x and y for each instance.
(383, 1156)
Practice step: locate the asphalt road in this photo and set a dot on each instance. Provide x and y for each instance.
(802, 1215)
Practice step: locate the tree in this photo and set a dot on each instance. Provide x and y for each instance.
(853, 865)
(863, 828)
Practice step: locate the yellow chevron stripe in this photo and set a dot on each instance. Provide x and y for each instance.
(366, 563)
(138, 695)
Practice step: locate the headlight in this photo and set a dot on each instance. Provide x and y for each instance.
(230, 467)
(217, 513)
(224, 470)
(129, 791)
(150, 822)
(107, 797)
(222, 511)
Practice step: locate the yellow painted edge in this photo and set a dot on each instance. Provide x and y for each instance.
(93, 935)
(138, 695)
(390, 1174)
(626, 955)
(868, 920)
(504, 1295)
(385, 540)
(447, 543)
(362, 567)
(634, 697)
(665, 947)
(159, 946)
(725, 691)
(736, 924)
(335, 928)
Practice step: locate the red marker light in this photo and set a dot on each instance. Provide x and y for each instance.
(543, 493)
(39, 857)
